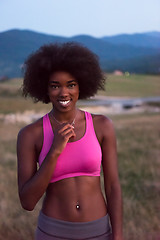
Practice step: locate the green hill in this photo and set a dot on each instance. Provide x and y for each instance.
(16, 45)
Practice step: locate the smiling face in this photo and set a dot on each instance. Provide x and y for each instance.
(63, 91)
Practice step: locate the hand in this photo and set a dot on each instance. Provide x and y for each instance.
(62, 136)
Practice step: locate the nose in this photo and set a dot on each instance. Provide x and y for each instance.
(64, 91)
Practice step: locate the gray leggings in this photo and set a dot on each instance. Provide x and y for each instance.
(54, 229)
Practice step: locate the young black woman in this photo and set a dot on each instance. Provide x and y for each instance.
(70, 146)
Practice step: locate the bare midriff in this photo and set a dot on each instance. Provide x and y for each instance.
(62, 198)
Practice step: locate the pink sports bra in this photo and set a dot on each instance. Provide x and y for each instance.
(82, 157)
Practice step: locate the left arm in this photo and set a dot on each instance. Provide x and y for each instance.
(111, 178)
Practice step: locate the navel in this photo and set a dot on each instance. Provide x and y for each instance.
(77, 206)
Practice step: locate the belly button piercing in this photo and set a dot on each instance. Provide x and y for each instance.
(77, 206)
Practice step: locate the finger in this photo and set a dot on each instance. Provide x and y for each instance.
(66, 131)
(69, 135)
(65, 127)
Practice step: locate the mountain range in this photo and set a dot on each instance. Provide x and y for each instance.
(135, 53)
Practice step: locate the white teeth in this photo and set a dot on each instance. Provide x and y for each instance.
(64, 102)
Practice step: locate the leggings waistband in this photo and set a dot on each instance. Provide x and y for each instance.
(74, 230)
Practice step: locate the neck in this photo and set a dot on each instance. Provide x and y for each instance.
(64, 116)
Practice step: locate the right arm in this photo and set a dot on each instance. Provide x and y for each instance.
(32, 183)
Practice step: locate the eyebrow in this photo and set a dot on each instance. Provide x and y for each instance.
(72, 81)
(53, 82)
(56, 82)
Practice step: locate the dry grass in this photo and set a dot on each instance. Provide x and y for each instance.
(139, 166)
(119, 86)
(138, 140)
(16, 223)
(133, 85)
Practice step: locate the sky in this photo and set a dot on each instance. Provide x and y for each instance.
(68, 18)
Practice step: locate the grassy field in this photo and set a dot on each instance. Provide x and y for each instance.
(117, 86)
(138, 141)
(132, 86)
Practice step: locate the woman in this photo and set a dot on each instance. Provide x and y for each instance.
(70, 145)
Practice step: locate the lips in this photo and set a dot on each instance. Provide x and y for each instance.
(64, 103)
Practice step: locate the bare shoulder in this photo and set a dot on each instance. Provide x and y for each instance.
(103, 122)
(101, 119)
(31, 131)
(103, 126)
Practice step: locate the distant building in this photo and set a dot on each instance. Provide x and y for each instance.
(118, 73)
(3, 78)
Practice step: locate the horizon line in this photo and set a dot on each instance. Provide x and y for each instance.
(80, 34)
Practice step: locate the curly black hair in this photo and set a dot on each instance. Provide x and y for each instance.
(69, 57)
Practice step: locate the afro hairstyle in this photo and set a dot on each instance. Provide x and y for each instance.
(69, 57)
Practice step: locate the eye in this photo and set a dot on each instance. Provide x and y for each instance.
(72, 85)
(54, 86)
